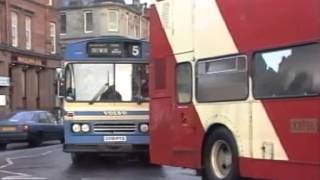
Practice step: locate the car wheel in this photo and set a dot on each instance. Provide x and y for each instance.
(220, 156)
(36, 140)
(3, 146)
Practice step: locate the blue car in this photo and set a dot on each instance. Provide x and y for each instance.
(33, 127)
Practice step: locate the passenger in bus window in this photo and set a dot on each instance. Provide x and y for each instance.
(145, 88)
(70, 94)
(111, 94)
(301, 84)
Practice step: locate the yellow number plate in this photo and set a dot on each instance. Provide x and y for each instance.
(8, 129)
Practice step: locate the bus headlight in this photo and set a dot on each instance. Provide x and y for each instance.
(144, 128)
(76, 128)
(85, 128)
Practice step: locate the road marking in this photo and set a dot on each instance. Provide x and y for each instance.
(9, 163)
(17, 175)
(46, 153)
(13, 173)
(13, 152)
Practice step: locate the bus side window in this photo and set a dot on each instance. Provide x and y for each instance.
(285, 73)
(223, 79)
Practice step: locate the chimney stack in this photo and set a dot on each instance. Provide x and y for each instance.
(75, 2)
(136, 3)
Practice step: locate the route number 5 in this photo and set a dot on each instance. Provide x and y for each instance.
(135, 50)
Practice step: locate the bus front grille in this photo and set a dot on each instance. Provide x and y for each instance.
(115, 128)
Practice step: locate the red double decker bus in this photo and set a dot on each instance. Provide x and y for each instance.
(235, 87)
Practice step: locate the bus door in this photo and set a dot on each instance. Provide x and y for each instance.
(185, 132)
(161, 110)
(187, 126)
(171, 121)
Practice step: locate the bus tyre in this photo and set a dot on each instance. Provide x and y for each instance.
(145, 158)
(78, 158)
(220, 156)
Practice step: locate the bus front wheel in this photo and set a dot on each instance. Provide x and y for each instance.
(78, 158)
(220, 156)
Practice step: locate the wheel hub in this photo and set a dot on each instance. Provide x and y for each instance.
(221, 159)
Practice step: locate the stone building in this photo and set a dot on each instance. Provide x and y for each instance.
(81, 19)
(28, 54)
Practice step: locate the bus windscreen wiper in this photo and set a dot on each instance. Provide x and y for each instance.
(98, 94)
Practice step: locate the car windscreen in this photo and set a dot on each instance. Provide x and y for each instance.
(6, 116)
(21, 117)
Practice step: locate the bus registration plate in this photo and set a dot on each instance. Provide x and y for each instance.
(114, 138)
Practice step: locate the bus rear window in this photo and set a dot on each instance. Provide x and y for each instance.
(291, 72)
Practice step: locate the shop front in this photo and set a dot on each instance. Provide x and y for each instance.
(33, 83)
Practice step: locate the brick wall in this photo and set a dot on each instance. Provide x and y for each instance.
(41, 15)
(32, 83)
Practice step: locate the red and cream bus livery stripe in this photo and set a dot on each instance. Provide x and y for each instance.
(276, 138)
(212, 28)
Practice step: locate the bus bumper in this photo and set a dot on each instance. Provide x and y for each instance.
(136, 143)
(106, 148)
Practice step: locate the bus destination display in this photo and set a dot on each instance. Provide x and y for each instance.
(106, 49)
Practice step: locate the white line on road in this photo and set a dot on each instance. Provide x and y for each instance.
(46, 153)
(17, 175)
(31, 150)
(27, 178)
(13, 173)
(9, 163)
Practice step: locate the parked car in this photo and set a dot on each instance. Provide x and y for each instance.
(33, 127)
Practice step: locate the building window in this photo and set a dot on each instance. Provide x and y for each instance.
(224, 79)
(63, 21)
(137, 26)
(53, 39)
(128, 23)
(184, 82)
(50, 2)
(113, 19)
(28, 32)
(88, 21)
(134, 26)
(14, 29)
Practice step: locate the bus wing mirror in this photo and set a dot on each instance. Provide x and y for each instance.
(60, 83)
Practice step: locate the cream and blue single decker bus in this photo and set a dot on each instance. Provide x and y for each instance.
(106, 109)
